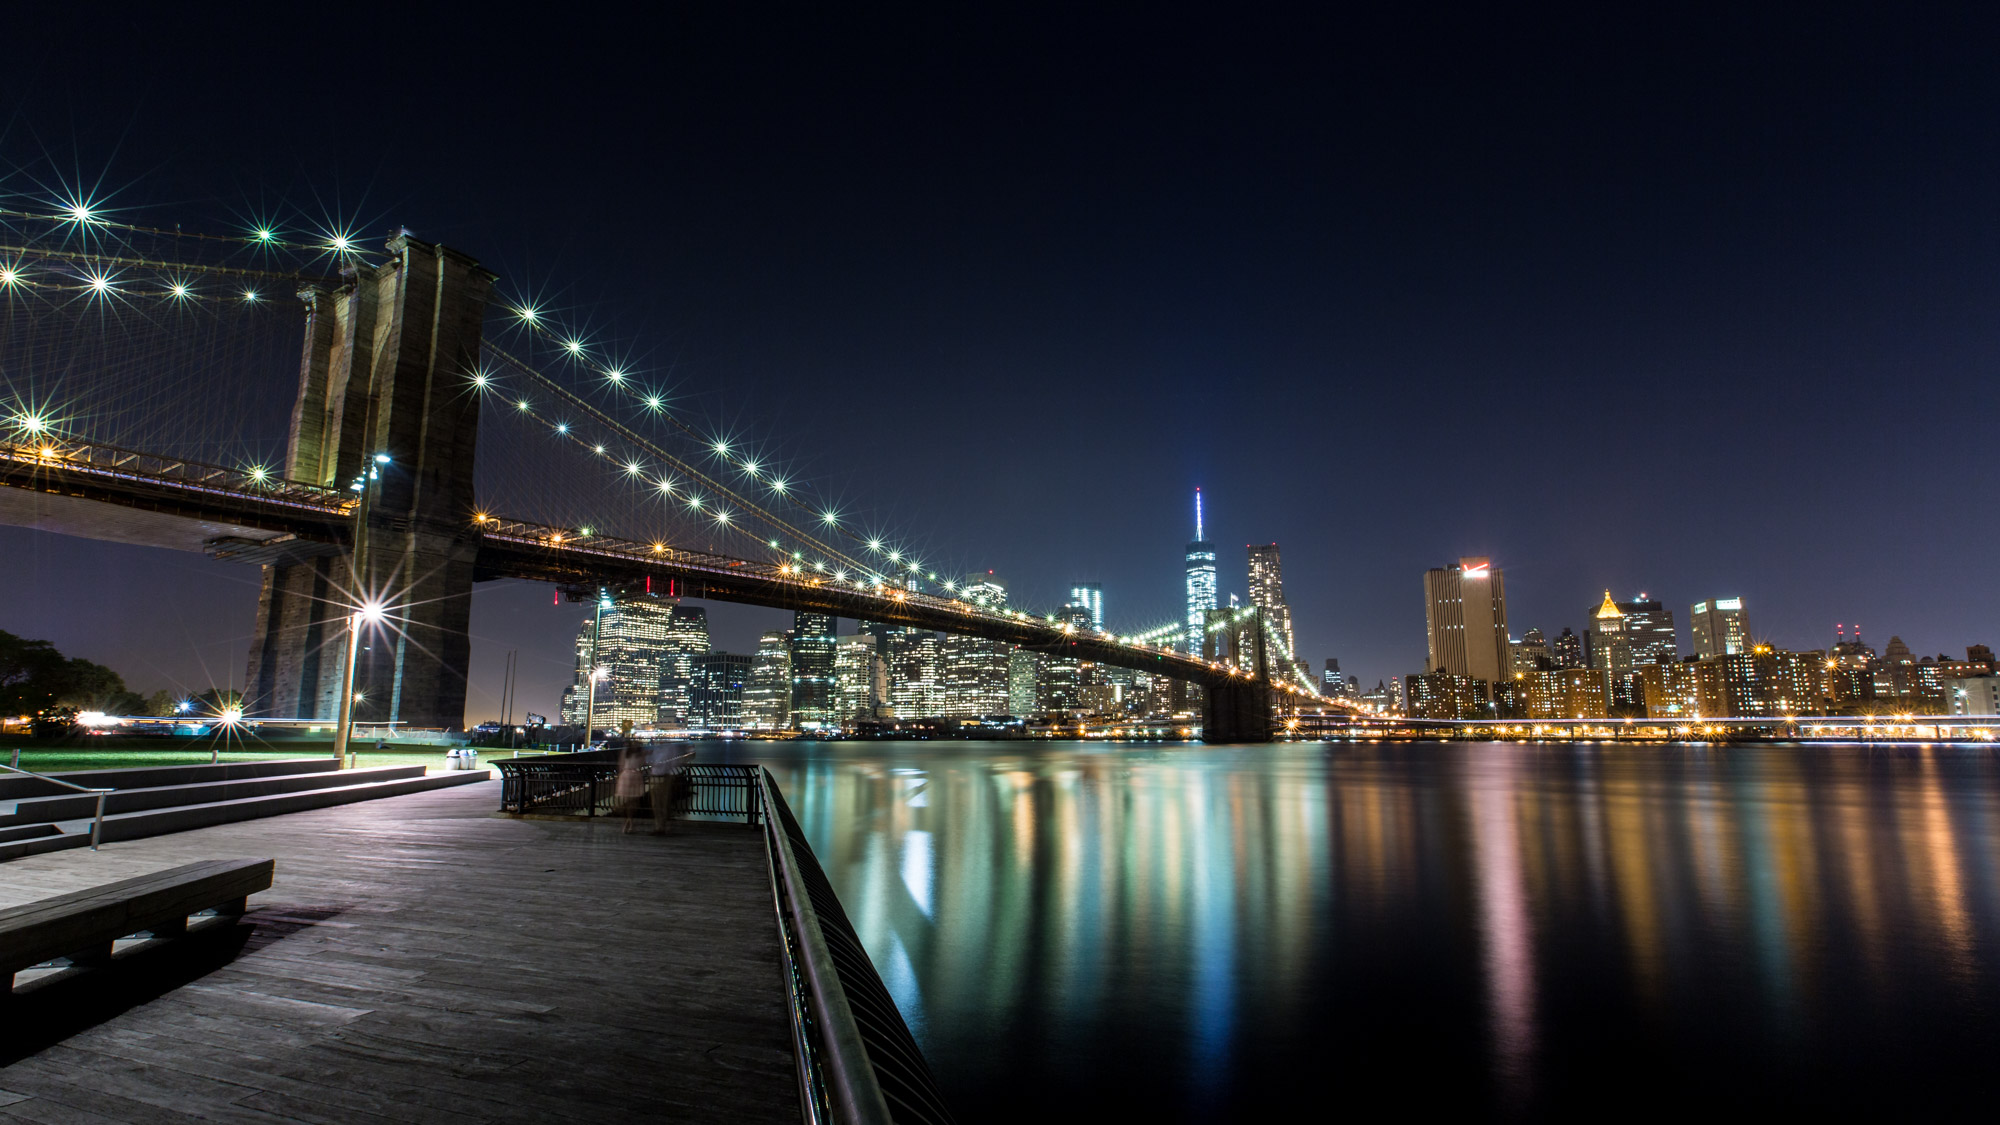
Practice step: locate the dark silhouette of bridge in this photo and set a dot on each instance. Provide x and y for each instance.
(376, 502)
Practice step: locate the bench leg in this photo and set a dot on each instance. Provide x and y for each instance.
(92, 955)
(176, 927)
(235, 907)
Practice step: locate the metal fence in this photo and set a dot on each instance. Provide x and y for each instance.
(858, 1064)
(586, 784)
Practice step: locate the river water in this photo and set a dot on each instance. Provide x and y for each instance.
(1440, 929)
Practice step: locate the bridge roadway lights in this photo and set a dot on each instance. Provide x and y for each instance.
(1236, 712)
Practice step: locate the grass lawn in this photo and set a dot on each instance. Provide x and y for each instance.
(126, 753)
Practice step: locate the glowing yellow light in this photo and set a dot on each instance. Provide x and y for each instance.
(659, 548)
(479, 517)
(523, 404)
(259, 473)
(556, 537)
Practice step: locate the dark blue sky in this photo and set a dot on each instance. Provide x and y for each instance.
(1703, 305)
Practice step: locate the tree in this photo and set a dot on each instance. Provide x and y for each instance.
(30, 674)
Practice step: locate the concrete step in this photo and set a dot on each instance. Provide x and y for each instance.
(157, 822)
(15, 787)
(28, 832)
(70, 804)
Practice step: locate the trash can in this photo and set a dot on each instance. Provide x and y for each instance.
(452, 761)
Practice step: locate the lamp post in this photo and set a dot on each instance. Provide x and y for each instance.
(369, 612)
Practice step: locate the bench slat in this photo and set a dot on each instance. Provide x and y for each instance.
(55, 927)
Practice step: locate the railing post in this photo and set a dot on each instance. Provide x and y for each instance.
(97, 827)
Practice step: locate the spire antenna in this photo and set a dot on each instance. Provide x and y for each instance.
(1197, 515)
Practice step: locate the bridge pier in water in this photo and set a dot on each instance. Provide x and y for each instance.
(1236, 711)
(385, 371)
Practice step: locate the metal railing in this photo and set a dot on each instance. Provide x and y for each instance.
(586, 784)
(97, 822)
(858, 1064)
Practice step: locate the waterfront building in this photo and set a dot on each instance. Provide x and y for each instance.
(916, 674)
(1446, 695)
(975, 676)
(1379, 700)
(813, 641)
(1330, 681)
(682, 648)
(628, 645)
(1719, 627)
(1090, 595)
(720, 688)
(1649, 632)
(767, 699)
(1564, 693)
(1398, 696)
(1200, 581)
(1023, 672)
(1465, 612)
(860, 680)
(1973, 695)
(984, 590)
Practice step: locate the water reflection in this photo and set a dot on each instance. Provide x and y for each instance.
(1483, 930)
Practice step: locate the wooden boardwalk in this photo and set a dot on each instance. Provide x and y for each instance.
(419, 960)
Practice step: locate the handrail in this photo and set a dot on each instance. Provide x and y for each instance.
(834, 1073)
(97, 825)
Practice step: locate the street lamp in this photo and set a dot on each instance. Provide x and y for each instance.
(370, 613)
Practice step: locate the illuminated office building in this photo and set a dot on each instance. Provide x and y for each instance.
(1465, 612)
(860, 680)
(813, 643)
(767, 699)
(682, 650)
(1719, 628)
(1267, 592)
(1649, 632)
(1605, 645)
(1200, 581)
(720, 689)
(629, 645)
(916, 674)
(1091, 596)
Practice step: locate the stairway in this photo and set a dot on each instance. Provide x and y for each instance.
(36, 816)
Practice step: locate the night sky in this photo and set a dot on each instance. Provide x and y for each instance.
(1704, 306)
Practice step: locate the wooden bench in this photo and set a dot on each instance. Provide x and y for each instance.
(83, 925)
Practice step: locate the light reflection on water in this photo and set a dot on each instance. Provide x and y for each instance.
(1486, 930)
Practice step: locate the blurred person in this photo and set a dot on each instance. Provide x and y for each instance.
(665, 780)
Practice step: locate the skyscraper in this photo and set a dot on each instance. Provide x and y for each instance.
(812, 670)
(916, 674)
(719, 691)
(767, 700)
(1465, 610)
(1604, 641)
(682, 648)
(860, 678)
(1567, 651)
(1200, 581)
(627, 644)
(1719, 627)
(1267, 592)
(1649, 632)
(1091, 596)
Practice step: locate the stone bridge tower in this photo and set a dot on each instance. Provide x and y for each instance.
(387, 355)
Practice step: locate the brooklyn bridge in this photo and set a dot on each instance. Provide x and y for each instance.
(133, 353)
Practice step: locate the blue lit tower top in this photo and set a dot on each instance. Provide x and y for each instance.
(1200, 581)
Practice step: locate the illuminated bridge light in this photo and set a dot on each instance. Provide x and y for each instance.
(828, 518)
(583, 531)
(659, 548)
(750, 467)
(667, 487)
(259, 473)
(523, 404)
(573, 346)
(653, 402)
(634, 468)
(481, 380)
(778, 486)
(264, 234)
(597, 449)
(79, 212)
(9, 277)
(615, 375)
(874, 544)
(694, 502)
(98, 283)
(340, 243)
(528, 314)
(562, 427)
(722, 447)
(179, 291)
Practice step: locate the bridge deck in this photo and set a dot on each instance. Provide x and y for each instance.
(420, 960)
